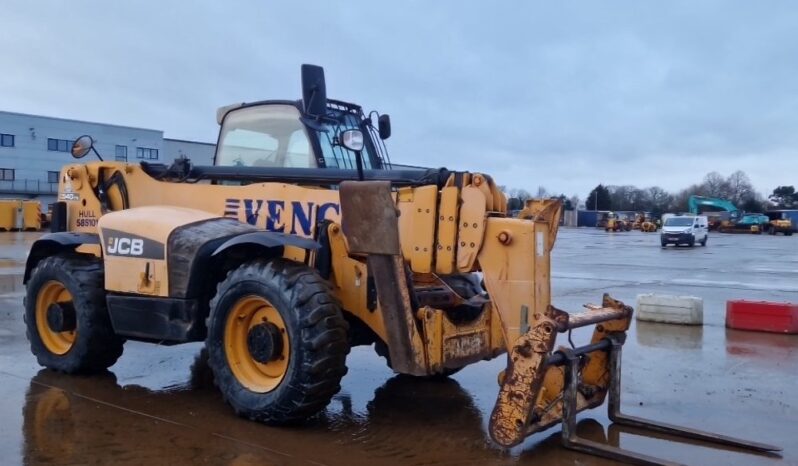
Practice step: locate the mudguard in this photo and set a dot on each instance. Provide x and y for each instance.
(268, 239)
(53, 243)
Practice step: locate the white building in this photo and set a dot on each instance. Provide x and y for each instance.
(33, 149)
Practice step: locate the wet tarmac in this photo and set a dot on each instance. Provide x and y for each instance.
(157, 405)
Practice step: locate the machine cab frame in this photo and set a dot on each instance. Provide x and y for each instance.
(280, 134)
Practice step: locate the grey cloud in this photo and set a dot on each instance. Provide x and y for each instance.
(564, 95)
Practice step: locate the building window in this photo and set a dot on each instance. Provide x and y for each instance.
(59, 145)
(6, 140)
(121, 153)
(6, 174)
(145, 153)
(52, 177)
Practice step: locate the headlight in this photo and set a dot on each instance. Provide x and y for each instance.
(352, 139)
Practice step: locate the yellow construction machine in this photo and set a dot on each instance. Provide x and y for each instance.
(300, 242)
(779, 223)
(616, 223)
(644, 223)
(534, 208)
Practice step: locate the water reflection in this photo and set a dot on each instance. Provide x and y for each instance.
(763, 346)
(550, 449)
(94, 420)
(410, 419)
(669, 336)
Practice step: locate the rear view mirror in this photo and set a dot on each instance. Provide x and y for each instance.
(384, 126)
(82, 146)
(314, 90)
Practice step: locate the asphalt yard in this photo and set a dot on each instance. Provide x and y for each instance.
(158, 405)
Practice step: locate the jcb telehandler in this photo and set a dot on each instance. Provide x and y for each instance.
(300, 242)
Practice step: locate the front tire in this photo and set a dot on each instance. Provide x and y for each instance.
(277, 341)
(704, 241)
(67, 320)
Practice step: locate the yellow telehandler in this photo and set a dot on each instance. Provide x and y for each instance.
(616, 223)
(299, 243)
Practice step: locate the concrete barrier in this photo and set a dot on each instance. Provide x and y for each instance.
(685, 310)
(762, 316)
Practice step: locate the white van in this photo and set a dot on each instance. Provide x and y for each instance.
(684, 229)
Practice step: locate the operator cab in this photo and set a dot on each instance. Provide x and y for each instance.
(307, 133)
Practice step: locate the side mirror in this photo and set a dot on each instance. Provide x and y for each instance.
(82, 146)
(314, 90)
(384, 123)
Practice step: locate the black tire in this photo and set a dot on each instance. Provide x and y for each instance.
(691, 243)
(95, 347)
(788, 233)
(317, 340)
(704, 241)
(664, 244)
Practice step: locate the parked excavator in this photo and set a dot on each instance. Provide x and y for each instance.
(299, 243)
(736, 222)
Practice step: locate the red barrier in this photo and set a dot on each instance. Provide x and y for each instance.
(762, 316)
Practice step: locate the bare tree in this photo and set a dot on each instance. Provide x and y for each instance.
(714, 185)
(740, 188)
(575, 201)
(521, 194)
(542, 193)
(659, 200)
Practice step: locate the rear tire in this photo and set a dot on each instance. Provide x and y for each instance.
(296, 373)
(75, 284)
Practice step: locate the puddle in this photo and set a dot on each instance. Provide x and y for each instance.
(669, 336)
(11, 283)
(762, 346)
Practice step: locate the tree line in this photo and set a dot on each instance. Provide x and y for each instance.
(736, 188)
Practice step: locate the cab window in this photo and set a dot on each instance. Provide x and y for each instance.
(335, 155)
(264, 136)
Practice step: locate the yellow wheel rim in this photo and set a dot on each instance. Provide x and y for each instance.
(56, 342)
(245, 314)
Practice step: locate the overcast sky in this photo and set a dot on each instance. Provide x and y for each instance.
(557, 94)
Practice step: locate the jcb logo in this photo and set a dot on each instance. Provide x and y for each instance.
(126, 246)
